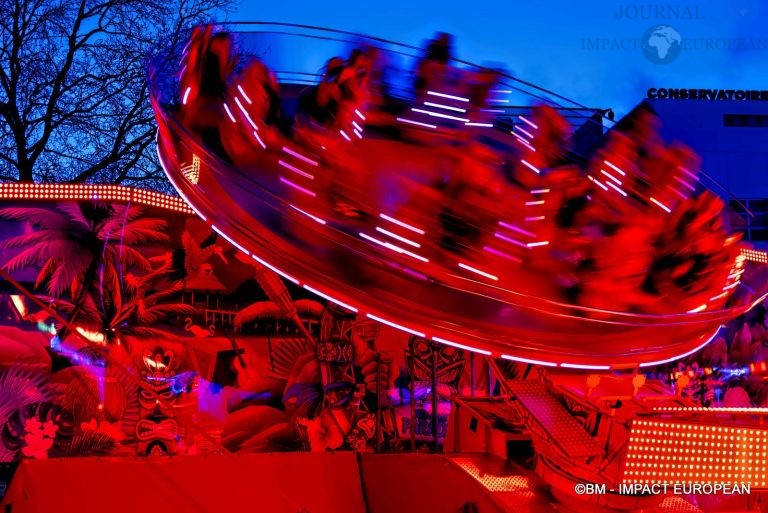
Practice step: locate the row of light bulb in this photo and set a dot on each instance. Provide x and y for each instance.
(87, 191)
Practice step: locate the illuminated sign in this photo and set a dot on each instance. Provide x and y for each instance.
(663, 93)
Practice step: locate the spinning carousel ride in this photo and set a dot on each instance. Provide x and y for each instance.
(451, 201)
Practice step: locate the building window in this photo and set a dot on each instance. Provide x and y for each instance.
(746, 120)
(755, 227)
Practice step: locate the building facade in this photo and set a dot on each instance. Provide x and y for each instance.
(729, 129)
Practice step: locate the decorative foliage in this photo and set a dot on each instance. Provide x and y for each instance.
(276, 291)
(91, 443)
(286, 353)
(39, 437)
(305, 308)
(112, 430)
(19, 388)
(75, 240)
(84, 399)
(38, 430)
(134, 305)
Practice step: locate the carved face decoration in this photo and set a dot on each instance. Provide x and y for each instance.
(448, 361)
(160, 364)
(336, 324)
(149, 400)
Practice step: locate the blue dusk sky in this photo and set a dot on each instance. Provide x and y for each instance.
(587, 50)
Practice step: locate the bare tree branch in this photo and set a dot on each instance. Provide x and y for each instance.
(73, 95)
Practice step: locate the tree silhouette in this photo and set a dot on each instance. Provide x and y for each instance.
(73, 92)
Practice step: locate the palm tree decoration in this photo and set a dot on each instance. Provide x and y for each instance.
(301, 308)
(279, 296)
(83, 249)
(270, 310)
(135, 305)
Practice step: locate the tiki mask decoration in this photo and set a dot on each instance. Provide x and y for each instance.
(159, 364)
(158, 434)
(160, 367)
(448, 362)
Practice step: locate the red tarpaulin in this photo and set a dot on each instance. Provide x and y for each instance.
(270, 483)
(273, 483)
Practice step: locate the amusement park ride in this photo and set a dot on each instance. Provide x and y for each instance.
(446, 206)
